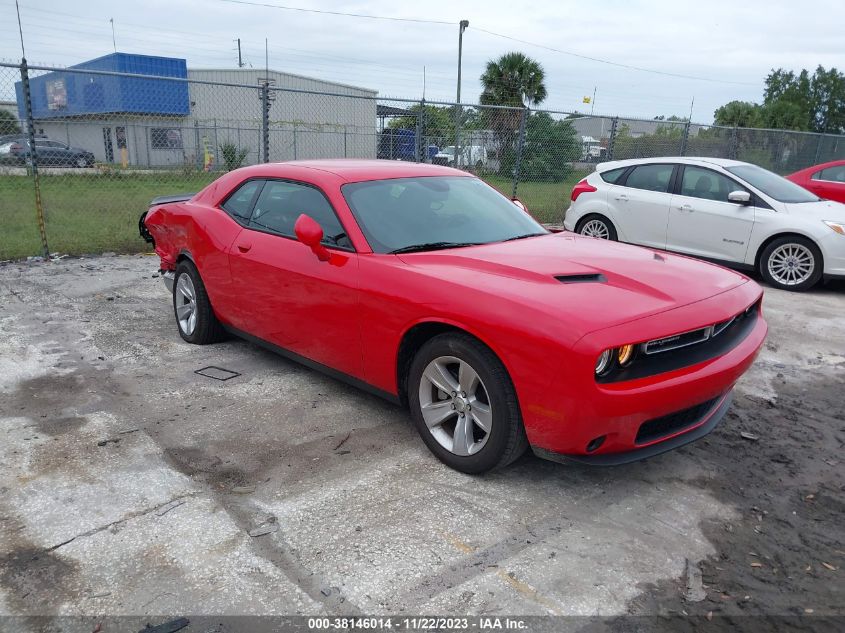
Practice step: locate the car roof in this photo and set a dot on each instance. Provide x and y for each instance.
(814, 168)
(356, 170)
(687, 160)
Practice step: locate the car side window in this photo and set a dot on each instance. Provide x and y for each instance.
(707, 184)
(239, 204)
(832, 174)
(281, 203)
(650, 177)
(612, 175)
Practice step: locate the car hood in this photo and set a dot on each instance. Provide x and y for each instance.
(565, 273)
(821, 210)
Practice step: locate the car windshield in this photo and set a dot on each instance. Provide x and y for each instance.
(435, 212)
(772, 185)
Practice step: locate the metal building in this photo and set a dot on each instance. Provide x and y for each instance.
(184, 116)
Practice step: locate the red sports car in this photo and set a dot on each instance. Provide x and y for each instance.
(826, 180)
(423, 284)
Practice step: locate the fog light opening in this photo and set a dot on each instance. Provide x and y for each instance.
(595, 443)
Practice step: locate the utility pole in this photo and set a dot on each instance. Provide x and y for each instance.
(593, 102)
(240, 59)
(113, 41)
(462, 25)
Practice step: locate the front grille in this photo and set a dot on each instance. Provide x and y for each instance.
(666, 425)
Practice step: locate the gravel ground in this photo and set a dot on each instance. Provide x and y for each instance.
(130, 485)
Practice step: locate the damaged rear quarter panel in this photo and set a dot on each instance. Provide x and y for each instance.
(200, 232)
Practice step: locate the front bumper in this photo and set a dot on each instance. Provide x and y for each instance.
(833, 252)
(596, 422)
(688, 434)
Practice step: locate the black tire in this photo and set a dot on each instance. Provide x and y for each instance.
(207, 329)
(506, 441)
(798, 242)
(613, 236)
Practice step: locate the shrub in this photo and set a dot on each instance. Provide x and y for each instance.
(233, 157)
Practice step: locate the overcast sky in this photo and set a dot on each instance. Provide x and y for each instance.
(730, 45)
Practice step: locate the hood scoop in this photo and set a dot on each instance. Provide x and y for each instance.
(589, 278)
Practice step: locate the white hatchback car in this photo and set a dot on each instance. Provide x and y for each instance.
(723, 210)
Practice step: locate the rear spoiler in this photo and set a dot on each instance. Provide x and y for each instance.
(142, 228)
(180, 197)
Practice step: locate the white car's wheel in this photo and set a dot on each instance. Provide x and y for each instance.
(598, 226)
(791, 262)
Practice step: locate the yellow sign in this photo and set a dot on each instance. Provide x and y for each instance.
(586, 99)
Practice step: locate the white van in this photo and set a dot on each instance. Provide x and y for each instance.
(471, 156)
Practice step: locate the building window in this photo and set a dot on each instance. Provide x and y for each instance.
(165, 138)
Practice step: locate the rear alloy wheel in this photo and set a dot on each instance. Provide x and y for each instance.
(597, 226)
(195, 318)
(464, 404)
(791, 263)
(81, 162)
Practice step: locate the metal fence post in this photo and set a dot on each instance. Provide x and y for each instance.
(418, 146)
(733, 148)
(216, 153)
(612, 141)
(33, 156)
(818, 149)
(265, 119)
(458, 116)
(685, 138)
(520, 145)
(197, 155)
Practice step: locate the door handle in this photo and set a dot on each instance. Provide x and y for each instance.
(686, 208)
(244, 247)
(622, 197)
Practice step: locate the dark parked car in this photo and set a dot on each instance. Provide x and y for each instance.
(50, 153)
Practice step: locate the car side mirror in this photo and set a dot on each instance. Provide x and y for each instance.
(739, 197)
(520, 204)
(311, 234)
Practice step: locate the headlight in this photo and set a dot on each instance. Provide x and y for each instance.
(603, 362)
(624, 355)
(839, 227)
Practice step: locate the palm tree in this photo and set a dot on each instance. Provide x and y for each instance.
(513, 80)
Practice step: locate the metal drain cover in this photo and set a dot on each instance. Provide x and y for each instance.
(218, 373)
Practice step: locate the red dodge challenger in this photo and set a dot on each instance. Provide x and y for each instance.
(426, 286)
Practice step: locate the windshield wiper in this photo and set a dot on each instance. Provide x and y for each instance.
(432, 246)
(522, 237)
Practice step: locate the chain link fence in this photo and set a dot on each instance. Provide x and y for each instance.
(84, 150)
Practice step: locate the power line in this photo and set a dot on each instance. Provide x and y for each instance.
(611, 63)
(339, 13)
(495, 34)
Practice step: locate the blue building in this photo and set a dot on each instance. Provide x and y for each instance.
(59, 95)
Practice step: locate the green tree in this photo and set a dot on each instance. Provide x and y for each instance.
(9, 123)
(518, 82)
(739, 114)
(438, 122)
(513, 80)
(805, 102)
(550, 148)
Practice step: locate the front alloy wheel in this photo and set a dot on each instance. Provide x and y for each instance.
(464, 404)
(455, 405)
(791, 263)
